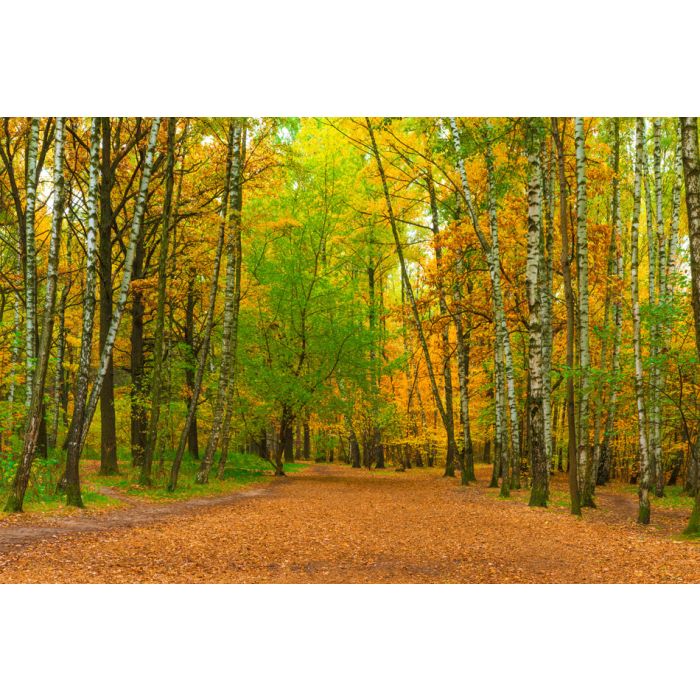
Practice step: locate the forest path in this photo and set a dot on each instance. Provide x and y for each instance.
(336, 524)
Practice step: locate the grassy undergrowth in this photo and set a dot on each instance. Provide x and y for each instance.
(242, 470)
(674, 497)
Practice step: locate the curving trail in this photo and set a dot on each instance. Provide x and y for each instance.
(336, 524)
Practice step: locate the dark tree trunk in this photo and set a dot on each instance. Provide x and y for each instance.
(354, 451)
(289, 444)
(298, 449)
(108, 419)
(569, 293)
(139, 421)
(307, 441)
(378, 450)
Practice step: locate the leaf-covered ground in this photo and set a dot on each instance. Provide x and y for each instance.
(335, 524)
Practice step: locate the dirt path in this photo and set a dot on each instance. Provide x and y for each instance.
(15, 534)
(336, 524)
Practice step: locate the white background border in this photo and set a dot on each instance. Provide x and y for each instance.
(365, 57)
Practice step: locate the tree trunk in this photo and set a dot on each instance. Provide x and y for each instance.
(108, 420)
(409, 288)
(492, 257)
(584, 464)
(209, 320)
(658, 331)
(73, 440)
(231, 303)
(152, 428)
(192, 434)
(307, 441)
(603, 464)
(446, 354)
(539, 467)
(39, 369)
(59, 373)
(546, 274)
(644, 508)
(134, 238)
(691, 170)
(569, 295)
(30, 281)
(139, 420)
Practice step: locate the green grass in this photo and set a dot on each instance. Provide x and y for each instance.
(675, 497)
(242, 470)
(51, 502)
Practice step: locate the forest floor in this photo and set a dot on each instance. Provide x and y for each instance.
(334, 524)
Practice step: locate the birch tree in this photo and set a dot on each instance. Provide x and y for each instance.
(539, 466)
(156, 377)
(657, 329)
(208, 321)
(644, 508)
(30, 259)
(407, 282)
(492, 257)
(34, 418)
(585, 476)
(73, 440)
(602, 464)
(72, 476)
(231, 301)
(446, 352)
(691, 173)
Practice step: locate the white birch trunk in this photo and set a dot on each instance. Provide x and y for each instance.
(539, 467)
(644, 509)
(30, 259)
(585, 480)
(135, 235)
(603, 464)
(39, 369)
(492, 257)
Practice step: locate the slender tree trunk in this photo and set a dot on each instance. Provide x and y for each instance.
(73, 440)
(505, 458)
(307, 441)
(644, 508)
(539, 467)
(497, 424)
(192, 435)
(658, 330)
(139, 419)
(134, 238)
(603, 464)
(492, 257)
(231, 301)
(236, 212)
(652, 303)
(152, 429)
(354, 445)
(569, 294)
(584, 467)
(59, 373)
(691, 170)
(209, 320)
(546, 274)
(446, 353)
(108, 419)
(463, 352)
(408, 287)
(30, 283)
(39, 370)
